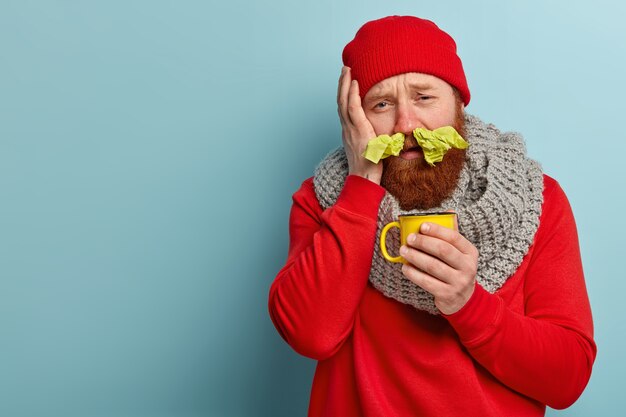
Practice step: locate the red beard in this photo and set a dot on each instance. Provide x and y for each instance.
(417, 185)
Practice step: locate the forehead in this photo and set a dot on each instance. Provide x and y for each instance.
(408, 81)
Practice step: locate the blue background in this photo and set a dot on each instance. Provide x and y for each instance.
(148, 153)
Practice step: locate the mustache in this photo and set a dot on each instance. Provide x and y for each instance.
(409, 143)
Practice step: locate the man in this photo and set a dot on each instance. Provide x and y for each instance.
(489, 320)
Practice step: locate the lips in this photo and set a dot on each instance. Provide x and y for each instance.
(411, 153)
(415, 148)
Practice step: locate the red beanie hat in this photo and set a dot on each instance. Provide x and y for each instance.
(398, 44)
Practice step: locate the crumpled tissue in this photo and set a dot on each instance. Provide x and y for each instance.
(434, 144)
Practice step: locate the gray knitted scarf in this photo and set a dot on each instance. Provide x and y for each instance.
(498, 201)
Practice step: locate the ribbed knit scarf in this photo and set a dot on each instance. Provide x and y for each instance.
(498, 201)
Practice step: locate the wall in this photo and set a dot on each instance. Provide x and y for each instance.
(148, 152)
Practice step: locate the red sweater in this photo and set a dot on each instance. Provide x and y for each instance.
(505, 354)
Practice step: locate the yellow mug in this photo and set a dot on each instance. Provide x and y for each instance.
(410, 223)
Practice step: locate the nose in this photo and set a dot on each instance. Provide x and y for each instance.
(407, 119)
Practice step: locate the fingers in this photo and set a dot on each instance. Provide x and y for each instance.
(344, 69)
(448, 298)
(355, 110)
(423, 280)
(349, 100)
(453, 237)
(342, 95)
(442, 262)
(356, 129)
(428, 264)
(440, 252)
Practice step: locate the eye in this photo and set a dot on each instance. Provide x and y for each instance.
(381, 105)
(424, 98)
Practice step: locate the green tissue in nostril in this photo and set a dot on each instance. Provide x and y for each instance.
(434, 143)
(384, 146)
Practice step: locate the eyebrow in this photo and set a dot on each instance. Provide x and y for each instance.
(413, 86)
(421, 87)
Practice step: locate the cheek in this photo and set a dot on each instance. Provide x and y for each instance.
(444, 121)
(442, 118)
(382, 123)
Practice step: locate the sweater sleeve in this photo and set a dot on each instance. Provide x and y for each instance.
(546, 353)
(314, 298)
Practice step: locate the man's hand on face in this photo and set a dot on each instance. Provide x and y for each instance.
(442, 262)
(357, 131)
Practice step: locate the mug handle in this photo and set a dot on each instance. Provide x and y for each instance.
(383, 245)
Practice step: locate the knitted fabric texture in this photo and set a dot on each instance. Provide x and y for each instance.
(498, 201)
(395, 45)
